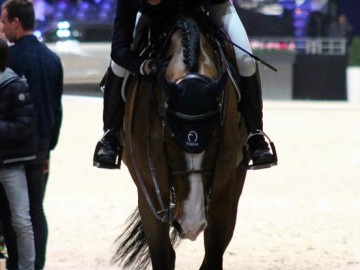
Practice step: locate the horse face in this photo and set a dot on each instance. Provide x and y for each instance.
(190, 215)
(192, 113)
(192, 189)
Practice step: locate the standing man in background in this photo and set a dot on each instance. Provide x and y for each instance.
(43, 71)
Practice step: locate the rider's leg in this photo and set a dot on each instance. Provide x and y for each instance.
(251, 105)
(108, 151)
(226, 17)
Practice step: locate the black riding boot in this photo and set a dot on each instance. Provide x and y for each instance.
(251, 106)
(108, 151)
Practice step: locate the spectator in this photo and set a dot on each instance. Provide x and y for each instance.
(340, 28)
(43, 70)
(18, 145)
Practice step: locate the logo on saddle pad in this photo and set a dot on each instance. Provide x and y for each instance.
(192, 138)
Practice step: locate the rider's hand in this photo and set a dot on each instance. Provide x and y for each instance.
(152, 67)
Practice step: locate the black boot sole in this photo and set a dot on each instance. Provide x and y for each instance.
(103, 165)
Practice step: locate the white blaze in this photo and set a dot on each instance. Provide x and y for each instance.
(193, 220)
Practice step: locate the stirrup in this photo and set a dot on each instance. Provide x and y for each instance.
(97, 163)
(247, 154)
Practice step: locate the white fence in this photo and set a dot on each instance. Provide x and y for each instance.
(323, 46)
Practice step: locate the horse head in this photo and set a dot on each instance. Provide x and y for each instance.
(193, 106)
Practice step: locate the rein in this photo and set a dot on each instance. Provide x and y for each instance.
(164, 214)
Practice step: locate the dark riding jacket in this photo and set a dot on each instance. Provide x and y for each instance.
(124, 25)
(43, 71)
(17, 121)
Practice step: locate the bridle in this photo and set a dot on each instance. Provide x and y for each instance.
(165, 214)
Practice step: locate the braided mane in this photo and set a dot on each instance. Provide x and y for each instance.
(190, 39)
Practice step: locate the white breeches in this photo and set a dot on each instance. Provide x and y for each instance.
(226, 17)
(118, 70)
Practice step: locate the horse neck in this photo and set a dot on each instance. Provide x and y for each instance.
(207, 59)
(176, 68)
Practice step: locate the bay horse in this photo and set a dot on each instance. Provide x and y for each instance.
(183, 138)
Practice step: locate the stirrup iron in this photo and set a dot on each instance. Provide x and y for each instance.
(247, 154)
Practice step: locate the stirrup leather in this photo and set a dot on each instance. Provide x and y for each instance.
(247, 154)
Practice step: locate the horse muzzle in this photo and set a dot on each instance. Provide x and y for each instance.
(189, 232)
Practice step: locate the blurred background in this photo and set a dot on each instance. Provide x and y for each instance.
(314, 44)
(299, 17)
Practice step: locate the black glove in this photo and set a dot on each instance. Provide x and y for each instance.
(153, 67)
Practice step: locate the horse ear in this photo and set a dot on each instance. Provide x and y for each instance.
(216, 87)
(167, 86)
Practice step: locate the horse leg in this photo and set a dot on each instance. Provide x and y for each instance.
(157, 236)
(221, 222)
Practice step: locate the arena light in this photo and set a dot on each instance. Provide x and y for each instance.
(63, 25)
(63, 33)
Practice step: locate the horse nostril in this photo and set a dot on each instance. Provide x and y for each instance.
(177, 227)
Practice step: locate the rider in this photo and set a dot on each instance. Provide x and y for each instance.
(108, 151)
